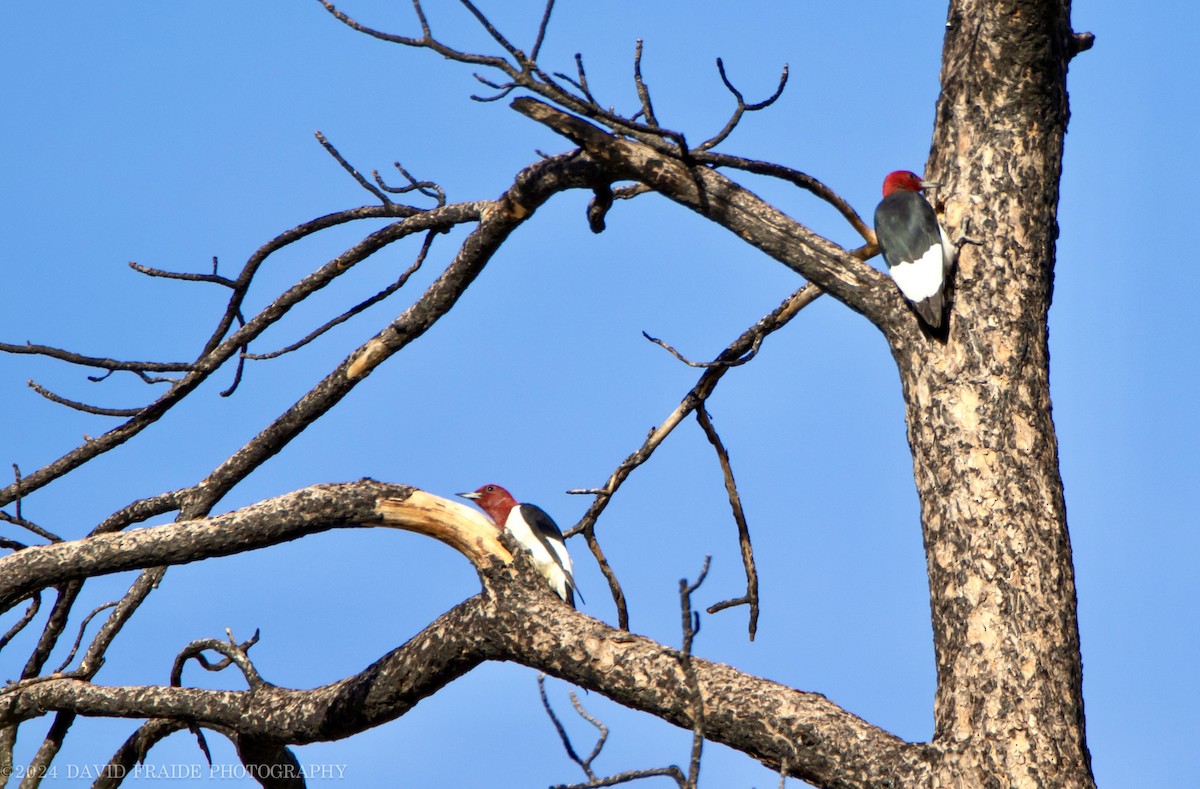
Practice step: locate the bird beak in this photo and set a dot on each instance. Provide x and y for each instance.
(930, 184)
(472, 495)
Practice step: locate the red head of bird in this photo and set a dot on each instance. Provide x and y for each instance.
(904, 181)
(494, 500)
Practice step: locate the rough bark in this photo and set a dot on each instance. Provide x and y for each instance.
(517, 618)
(1009, 708)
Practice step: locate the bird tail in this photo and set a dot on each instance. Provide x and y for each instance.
(932, 309)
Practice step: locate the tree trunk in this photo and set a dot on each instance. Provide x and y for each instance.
(1009, 708)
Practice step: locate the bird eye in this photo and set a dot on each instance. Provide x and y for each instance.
(490, 488)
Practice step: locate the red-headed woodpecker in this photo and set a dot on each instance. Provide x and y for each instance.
(535, 530)
(914, 244)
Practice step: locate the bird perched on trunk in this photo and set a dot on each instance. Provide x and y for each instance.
(533, 529)
(918, 255)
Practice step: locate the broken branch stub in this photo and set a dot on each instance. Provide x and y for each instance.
(465, 530)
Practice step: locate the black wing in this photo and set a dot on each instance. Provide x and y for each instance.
(908, 223)
(550, 536)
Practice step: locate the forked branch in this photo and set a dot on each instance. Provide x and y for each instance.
(751, 338)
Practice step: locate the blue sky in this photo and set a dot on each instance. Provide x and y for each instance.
(171, 133)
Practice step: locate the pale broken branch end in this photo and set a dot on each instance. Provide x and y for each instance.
(464, 529)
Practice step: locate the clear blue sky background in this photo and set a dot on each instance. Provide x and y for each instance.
(168, 133)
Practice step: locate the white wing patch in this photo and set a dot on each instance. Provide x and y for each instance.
(556, 567)
(923, 277)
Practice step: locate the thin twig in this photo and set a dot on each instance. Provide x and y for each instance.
(427, 188)
(149, 379)
(750, 354)
(614, 585)
(580, 84)
(79, 638)
(240, 367)
(773, 321)
(691, 627)
(35, 603)
(234, 654)
(541, 33)
(84, 407)
(93, 657)
(742, 107)
(493, 32)
(642, 91)
(739, 516)
(502, 89)
(214, 278)
(630, 776)
(355, 310)
(354, 173)
(96, 361)
(525, 73)
(19, 518)
(584, 764)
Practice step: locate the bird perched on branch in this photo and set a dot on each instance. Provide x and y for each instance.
(918, 255)
(535, 531)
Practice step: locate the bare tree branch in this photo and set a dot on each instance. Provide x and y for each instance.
(643, 92)
(95, 361)
(541, 33)
(84, 407)
(414, 222)
(307, 511)
(629, 776)
(142, 510)
(19, 518)
(427, 188)
(133, 751)
(709, 193)
(742, 106)
(39, 766)
(522, 620)
(584, 764)
(233, 652)
(739, 516)
(691, 627)
(524, 72)
(355, 310)
(56, 622)
(354, 173)
(214, 278)
(79, 638)
(738, 362)
(35, 604)
(773, 321)
(805, 182)
(749, 339)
